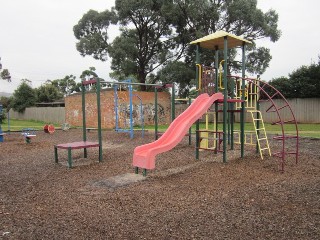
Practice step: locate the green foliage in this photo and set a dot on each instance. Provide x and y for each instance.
(89, 73)
(5, 101)
(66, 85)
(157, 33)
(180, 73)
(5, 74)
(91, 31)
(48, 93)
(24, 96)
(302, 83)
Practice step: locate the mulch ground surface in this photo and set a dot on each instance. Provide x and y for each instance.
(246, 198)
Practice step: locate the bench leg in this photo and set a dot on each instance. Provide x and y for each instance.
(85, 153)
(69, 158)
(56, 154)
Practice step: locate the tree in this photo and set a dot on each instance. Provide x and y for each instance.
(155, 33)
(48, 93)
(24, 96)
(89, 73)
(303, 82)
(91, 31)
(4, 74)
(66, 85)
(180, 73)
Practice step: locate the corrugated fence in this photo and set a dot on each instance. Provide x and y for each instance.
(46, 114)
(306, 110)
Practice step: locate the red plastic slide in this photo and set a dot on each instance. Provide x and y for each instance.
(144, 156)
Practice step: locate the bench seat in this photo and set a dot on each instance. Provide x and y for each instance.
(75, 145)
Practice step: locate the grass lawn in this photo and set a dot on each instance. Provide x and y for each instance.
(305, 130)
(17, 125)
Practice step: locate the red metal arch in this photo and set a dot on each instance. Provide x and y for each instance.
(262, 86)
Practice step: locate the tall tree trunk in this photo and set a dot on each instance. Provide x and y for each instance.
(142, 79)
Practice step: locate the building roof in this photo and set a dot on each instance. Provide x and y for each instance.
(216, 39)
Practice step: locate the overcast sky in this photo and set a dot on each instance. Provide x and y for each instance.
(37, 41)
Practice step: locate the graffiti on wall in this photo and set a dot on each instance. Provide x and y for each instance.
(145, 113)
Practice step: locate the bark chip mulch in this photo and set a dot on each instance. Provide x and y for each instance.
(246, 198)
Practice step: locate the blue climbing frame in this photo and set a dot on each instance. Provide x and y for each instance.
(117, 112)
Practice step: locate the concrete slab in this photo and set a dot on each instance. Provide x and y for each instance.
(119, 181)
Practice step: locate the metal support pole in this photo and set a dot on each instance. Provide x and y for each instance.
(56, 160)
(225, 98)
(232, 115)
(8, 122)
(189, 102)
(242, 116)
(198, 122)
(173, 110)
(99, 120)
(216, 107)
(116, 110)
(131, 110)
(69, 158)
(84, 128)
(257, 114)
(155, 113)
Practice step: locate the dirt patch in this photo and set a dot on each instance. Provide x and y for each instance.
(246, 198)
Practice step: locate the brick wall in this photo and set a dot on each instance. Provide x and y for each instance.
(73, 108)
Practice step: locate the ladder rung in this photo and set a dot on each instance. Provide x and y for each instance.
(257, 119)
(262, 139)
(259, 129)
(264, 149)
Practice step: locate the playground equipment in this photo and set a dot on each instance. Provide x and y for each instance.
(84, 144)
(49, 128)
(121, 111)
(245, 96)
(28, 134)
(144, 156)
(65, 126)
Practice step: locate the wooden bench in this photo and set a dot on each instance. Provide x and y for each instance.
(75, 145)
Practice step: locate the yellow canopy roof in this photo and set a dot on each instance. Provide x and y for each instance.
(217, 40)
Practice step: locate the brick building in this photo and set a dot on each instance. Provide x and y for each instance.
(73, 108)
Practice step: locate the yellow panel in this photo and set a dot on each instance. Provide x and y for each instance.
(217, 40)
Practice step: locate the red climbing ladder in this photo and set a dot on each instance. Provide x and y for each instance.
(268, 93)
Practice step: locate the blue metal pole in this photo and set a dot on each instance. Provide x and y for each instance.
(131, 110)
